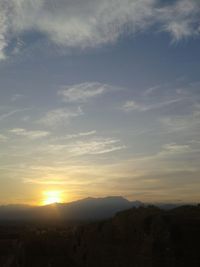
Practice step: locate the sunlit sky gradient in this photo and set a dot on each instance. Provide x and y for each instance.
(99, 98)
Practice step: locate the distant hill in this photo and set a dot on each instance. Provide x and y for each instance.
(82, 210)
(88, 209)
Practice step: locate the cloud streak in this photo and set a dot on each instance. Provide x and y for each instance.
(92, 146)
(3, 138)
(11, 113)
(95, 147)
(83, 92)
(29, 134)
(136, 106)
(57, 116)
(79, 135)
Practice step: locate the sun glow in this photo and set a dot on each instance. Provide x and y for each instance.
(51, 197)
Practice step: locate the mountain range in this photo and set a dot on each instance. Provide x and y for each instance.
(88, 209)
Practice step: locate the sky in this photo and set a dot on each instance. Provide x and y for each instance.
(100, 98)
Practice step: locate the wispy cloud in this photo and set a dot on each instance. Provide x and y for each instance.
(3, 30)
(176, 123)
(47, 181)
(95, 147)
(151, 90)
(181, 19)
(11, 113)
(92, 146)
(17, 97)
(83, 134)
(174, 148)
(56, 116)
(91, 23)
(164, 175)
(132, 105)
(138, 106)
(29, 134)
(3, 138)
(83, 92)
(189, 122)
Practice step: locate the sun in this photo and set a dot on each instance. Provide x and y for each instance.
(51, 197)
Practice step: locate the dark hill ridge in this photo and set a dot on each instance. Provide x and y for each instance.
(138, 237)
(141, 237)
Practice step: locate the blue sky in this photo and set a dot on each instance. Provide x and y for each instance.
(99, 98)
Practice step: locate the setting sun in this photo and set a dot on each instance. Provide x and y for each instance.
(51, 197)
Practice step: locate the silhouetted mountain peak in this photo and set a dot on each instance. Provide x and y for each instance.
(85, 209)
(81, 210)
(101, 199)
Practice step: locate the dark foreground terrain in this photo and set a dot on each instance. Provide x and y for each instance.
(139, 237)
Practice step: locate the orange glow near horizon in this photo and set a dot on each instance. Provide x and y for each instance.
(51, 197)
